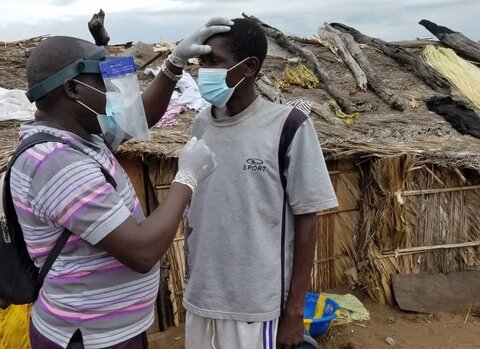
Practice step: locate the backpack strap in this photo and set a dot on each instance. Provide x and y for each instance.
(52, 256)
(293, 121)
(38, 138)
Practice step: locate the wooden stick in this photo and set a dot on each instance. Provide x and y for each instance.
(97, 29)
(421, 249)
(35, 38)
(335, 40)
(308, 55)
(162, 187)
(337, 172)
(375, 83)
(412, 43)
(307, 41)
(460, 175)
(437, 191)
(457, 41)
(468, 315)
(439, 181)
(328, 213)
(270, 91)
(402, 56)
(328, 259)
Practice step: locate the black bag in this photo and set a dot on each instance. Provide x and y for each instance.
(20, 279)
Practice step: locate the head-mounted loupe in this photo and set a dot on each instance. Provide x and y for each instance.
(84, 65)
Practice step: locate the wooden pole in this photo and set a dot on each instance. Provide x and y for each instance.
(437, 191)
(421, 249)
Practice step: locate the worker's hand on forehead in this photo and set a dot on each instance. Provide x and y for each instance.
(193, 45)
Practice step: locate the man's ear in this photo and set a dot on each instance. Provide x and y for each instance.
(71, 90)
(253, 65)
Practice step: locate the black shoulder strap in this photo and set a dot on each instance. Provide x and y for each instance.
(37, 138)
(293, 121)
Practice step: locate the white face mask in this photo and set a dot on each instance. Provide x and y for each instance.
(212, 83)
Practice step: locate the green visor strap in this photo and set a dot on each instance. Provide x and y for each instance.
(85, 65)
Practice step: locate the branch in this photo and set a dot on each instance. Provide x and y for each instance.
(335, 40)
(375, 83)
(97, 29)
(402, 56)
(310, 57)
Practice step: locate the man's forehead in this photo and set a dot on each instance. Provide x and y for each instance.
(219, 46)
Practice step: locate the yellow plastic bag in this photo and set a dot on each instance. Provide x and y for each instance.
(14, 327)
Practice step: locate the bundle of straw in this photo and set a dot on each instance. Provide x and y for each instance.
(298, 75)
(462, 74)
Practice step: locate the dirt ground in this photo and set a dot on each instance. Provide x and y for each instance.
(408, 330)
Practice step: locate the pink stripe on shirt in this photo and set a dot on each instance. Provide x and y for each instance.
(81, 317)
(84, 201)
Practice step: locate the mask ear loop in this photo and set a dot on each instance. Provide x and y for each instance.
(93, 88)
(87, 107)
(236, 65)
(239, 82)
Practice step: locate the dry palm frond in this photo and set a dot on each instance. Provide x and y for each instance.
(464, 75)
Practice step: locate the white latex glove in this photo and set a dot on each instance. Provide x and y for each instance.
(196, 162)
(193, 45)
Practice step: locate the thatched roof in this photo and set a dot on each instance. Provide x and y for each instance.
(380, 130)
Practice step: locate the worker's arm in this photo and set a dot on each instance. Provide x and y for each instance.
(140, 246)
(290, 328)
(157, 96)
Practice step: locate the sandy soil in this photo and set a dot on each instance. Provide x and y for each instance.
(408, 330)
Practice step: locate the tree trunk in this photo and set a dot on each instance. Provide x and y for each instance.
(375, 83)
(457, 41)
(357, 72)
(402, 56)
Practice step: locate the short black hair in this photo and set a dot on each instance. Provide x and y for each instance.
(246, 39)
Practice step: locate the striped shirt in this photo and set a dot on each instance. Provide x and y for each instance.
(55, 186)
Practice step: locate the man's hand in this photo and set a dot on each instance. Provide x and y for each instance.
(290, 329)
(193, 45)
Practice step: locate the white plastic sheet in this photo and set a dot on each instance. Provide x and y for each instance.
(14, 105)
(186, 91)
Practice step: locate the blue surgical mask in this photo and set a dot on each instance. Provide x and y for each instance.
(111, 130)
(212, 83)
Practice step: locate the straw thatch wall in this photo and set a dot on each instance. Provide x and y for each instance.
(407, 204)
